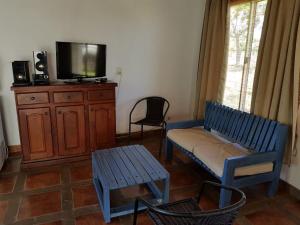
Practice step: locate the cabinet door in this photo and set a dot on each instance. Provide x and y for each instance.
(102, 125)
(35, 133)
(70, 130)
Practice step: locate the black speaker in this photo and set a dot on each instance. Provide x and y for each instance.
(21, 73)
(41, 76)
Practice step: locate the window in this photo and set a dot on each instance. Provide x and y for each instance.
(246, 21)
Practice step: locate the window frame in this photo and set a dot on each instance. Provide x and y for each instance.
(248, 49)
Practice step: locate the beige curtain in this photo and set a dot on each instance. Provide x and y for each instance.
(210, 82)
(276, 84)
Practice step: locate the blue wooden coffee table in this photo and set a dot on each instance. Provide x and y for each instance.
(124, 167)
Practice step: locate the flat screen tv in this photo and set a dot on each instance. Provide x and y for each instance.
(80, 60)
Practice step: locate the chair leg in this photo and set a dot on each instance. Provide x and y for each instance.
(161, 140)
(169, 150)
(136, 205)
(129, 133)
(142, 131)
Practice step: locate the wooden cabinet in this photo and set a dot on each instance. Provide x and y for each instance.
(70, 130)
(36, 133)
(64, 122)
(102, 125)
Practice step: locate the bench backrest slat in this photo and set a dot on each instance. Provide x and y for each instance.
(230, 123)
(239, 126)
(257, 133)
(227, 117)
(269, 135)
(251, 131)
(245, 136)
(236, 118)
(262, 135)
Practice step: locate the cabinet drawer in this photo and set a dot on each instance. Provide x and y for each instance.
(32, 98)
(101, 95)
(60, 97)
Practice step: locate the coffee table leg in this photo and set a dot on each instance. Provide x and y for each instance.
(103, 198)
(106, 205)
(166, 190)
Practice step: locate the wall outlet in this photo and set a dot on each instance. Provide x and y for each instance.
(119, 71)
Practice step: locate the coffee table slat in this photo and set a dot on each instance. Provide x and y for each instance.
(107, 172)
(145, 163)
(155, 164)
(138, 165)
(139, 179)
(115, 169)
(126, 173)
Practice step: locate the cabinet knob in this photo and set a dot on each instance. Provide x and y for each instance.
(46, 113)
(32, 98)
(59, 112)
(69, 96)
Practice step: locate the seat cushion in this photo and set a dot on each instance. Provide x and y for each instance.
(212, 150)
(191, 137)
(213, 155)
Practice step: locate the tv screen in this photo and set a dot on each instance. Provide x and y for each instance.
(80, 60)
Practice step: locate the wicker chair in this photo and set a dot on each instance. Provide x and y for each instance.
(188, 212)
(157, 108)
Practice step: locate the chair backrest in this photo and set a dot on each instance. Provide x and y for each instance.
(218, 219)
(251, 131)
(155, 108)
(186, 212)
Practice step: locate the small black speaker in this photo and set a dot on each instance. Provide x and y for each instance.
(41, 76)
(21, 73)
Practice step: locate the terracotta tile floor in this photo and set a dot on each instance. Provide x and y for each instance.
(84, 196)
(42, 180)
(39, 204)
(64, 194)
(7, 184)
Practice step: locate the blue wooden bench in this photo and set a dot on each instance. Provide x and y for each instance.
(123, 167)
(264, 140)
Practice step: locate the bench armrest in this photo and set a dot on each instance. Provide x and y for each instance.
(255, 158)
(184, 124)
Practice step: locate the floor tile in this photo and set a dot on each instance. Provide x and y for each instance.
(42, 180)
(182, 157)
(12, 165)
(144, 219)
(270, 216)
(177, 195)
(135, 191)
(207, 203)
(7, 184)
(83, 172)
(182, 178)
(53, 223)
(294, 208)
(3, 210)
(94, 219)
(84, 196)
(39, 204)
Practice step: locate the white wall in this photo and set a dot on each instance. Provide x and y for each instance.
(155, 42)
